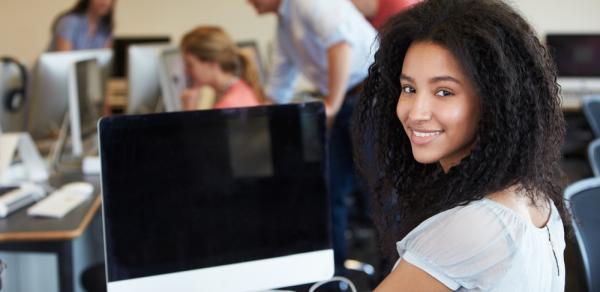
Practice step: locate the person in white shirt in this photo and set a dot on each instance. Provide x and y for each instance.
(462, 110)
(332, 44)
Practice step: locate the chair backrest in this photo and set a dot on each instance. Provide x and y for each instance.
(583, 198)
(594, 156)
(591, 110)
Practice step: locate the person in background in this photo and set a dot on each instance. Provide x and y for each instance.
(212, 59)
(378, 11)
(88, 25)
(463, 111)
(332, 44)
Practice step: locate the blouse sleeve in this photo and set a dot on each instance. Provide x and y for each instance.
(66, 27)
(467, 246)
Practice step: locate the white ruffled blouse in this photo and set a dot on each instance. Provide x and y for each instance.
(485, 246)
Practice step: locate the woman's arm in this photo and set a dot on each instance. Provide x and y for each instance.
(408, 277)
(62, 44)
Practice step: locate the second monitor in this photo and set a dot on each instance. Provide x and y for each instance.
(84, 92)
(143, 78)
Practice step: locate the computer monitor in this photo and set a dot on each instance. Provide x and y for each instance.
(173, 80)
(120, 49)
(143, 78)
(84, 89)
(216, 200)
(576, 55)
(49, 100)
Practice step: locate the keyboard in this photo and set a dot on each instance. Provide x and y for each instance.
(58, 204)
(17, 198)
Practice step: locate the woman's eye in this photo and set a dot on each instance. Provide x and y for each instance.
(444, 92)
(406, 89)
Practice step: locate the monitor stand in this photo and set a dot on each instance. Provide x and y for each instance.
(30, 168)
(60, 158)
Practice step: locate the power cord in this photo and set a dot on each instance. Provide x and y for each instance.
(334, 279)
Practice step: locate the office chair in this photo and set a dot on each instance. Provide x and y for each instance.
(591, 110)
(594, 156)
(583, 198)
(93, 279)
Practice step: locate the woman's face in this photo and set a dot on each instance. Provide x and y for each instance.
(438, 106)
(200, 72)
(101, 7)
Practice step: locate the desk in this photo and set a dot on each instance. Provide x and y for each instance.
(571, 105)
(20, 232)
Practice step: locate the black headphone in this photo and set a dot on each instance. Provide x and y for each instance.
(14, 98)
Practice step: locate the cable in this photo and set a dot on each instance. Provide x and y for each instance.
(336, 278)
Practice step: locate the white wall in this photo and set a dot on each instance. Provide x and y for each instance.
(560, 15)
(24, 24)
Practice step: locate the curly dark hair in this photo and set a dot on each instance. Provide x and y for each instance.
(519, 134)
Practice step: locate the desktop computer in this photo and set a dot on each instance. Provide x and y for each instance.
(121, 47)
(143, 76)
(216, 200)
(173, 80)
(117, 86)
(48, 111)
(577, 57)
(85, 92)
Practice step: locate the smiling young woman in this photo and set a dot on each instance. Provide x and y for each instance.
(461, 129)
(438, 106)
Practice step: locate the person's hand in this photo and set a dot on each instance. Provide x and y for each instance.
(330, 113)
(189, 98)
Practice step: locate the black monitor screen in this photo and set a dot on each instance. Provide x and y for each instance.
(575, 55)
(120, 45)
(198, 189)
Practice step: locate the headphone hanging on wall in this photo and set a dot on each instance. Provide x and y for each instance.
(14, 98)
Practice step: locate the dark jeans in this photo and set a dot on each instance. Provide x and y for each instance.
(341, 177)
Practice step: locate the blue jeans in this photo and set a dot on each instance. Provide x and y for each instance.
(341, 177)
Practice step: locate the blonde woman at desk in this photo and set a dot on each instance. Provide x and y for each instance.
(88, 25)
(462, 124)
(212, 59)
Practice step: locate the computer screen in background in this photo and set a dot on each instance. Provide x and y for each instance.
(49, 99)
(84, 96)
(173, 80)
(576, 55)
(216, 200)
(121, 46)
(143, 78)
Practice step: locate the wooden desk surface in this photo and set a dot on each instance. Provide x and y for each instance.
(19, 226)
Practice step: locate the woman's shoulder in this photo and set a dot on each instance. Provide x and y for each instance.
(465, 244)
(68, 22)
(238, 95)
(474, 245)
(467, 227)
(71, 18)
